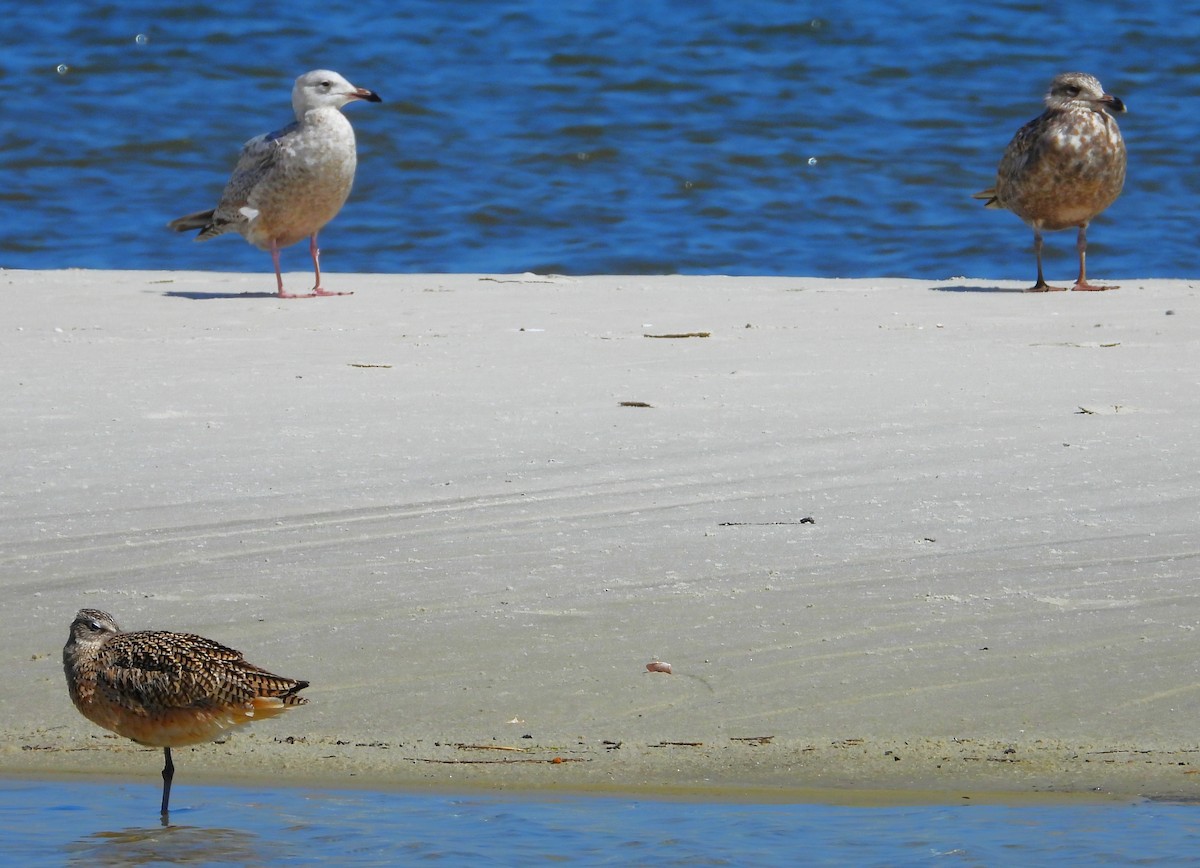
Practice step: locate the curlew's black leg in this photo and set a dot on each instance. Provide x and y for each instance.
(168, 773)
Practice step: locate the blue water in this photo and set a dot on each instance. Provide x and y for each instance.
(753, 137)
(92, 824)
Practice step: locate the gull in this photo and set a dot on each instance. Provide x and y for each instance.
(1063, 167)
(165, 689)
(289, 183)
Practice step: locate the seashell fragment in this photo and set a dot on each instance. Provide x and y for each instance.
(658, 666)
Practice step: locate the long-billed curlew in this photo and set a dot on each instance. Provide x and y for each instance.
(288, 184)
(166, 689)
(1063, 167)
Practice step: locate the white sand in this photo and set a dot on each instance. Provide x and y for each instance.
(427, 499)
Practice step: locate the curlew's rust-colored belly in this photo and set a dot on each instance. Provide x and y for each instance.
(177, 727)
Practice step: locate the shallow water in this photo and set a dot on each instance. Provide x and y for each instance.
(635, 136)
(99, 823)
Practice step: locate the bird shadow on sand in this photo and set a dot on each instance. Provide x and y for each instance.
(209, 296)
(953, 287)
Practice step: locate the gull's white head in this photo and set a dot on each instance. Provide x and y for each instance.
(1080, 91)
(324, 88)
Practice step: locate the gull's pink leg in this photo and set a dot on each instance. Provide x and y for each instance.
(316, 258)
(278, 273)
(1081, 284)
(315, 252)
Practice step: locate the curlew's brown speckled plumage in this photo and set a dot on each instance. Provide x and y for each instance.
(165, 689)
(1064, 167)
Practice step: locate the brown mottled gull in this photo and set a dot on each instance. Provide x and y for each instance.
(1064, 167)
(288, 184)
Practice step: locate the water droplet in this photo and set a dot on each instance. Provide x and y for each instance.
(62, 69)
(141, 39)
(812, 161)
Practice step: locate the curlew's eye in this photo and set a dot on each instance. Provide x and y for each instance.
(1072, 91)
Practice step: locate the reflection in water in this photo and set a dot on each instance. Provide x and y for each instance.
(169, 844)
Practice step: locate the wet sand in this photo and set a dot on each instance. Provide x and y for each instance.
(889, 534)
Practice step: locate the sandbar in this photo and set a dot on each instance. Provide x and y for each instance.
(889, 534)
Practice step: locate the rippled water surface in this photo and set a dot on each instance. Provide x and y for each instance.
(44, 823)
(757, 137)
